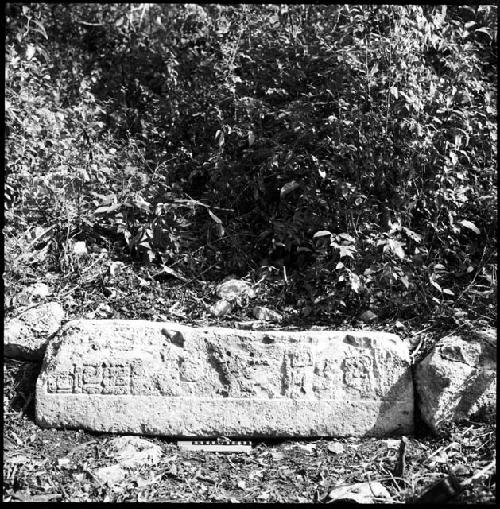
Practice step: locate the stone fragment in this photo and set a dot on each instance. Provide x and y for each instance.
(336, 447)
(156, 378)
(263, 313)
(114, 474)
(116, 268)
(252, 325)
(457, 379)
(235, 290)
(368, 316)
(26, 336)
(131, 451)
(80, 248)
(39, 291)
(221, 307)
(361, 493)
(391, 443)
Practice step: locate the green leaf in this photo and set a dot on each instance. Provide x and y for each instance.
(355, 282)
(288, 188)
(397, 248)
(470, 226)
(346, 251)
(321, 233)
(218, 223)
(346, 236)
(435, 284)
(108, 210)
(30, 51)
(414, 236)
(218, 220)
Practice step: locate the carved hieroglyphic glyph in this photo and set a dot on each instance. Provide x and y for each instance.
(168, 379)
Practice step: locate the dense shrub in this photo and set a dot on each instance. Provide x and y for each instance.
(355, 146)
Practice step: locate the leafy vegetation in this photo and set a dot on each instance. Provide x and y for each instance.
(341, 158)
(351, 150)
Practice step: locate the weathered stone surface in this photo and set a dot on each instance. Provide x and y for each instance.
(168, 379)
(458, 379)
(235, 290)
(221, 307)
(263, 313)
(113, 474)
(26, 337)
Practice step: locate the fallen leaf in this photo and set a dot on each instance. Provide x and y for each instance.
(288, 188)
(470, 226)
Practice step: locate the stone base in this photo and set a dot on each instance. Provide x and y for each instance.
(167, 379)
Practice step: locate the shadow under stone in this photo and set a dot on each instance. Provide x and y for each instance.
(20, 385)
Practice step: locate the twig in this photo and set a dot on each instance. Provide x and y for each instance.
(480, 265)
(90, 24)
(479, 474)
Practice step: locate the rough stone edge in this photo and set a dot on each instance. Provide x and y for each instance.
(17, 352)
(396, 341)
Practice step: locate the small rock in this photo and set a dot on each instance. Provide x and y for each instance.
(26, 336)
(336, 447)
(263, 313)
(64, 462)
(368, 316)
(39, 291)
(251, 325)
(391, 443)
(234, 290)
(113, 474)
(461, 470)
(361, 493)
(104, 311)
(221, 308)
(457, 380)
(80, 248)
(115, 268)
(132, 451)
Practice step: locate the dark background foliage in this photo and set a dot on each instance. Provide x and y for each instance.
(347, 153)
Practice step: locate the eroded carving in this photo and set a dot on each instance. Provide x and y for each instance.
(103, 378)
(357, 373)
(211, 367)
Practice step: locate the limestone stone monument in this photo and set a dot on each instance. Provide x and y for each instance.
(167, 379)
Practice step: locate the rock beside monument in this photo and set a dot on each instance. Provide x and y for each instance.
(168, 379)
(235, 290)
(263, 313)
(26, 336)
(457, 380)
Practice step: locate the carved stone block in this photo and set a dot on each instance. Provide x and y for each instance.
(168, 379)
